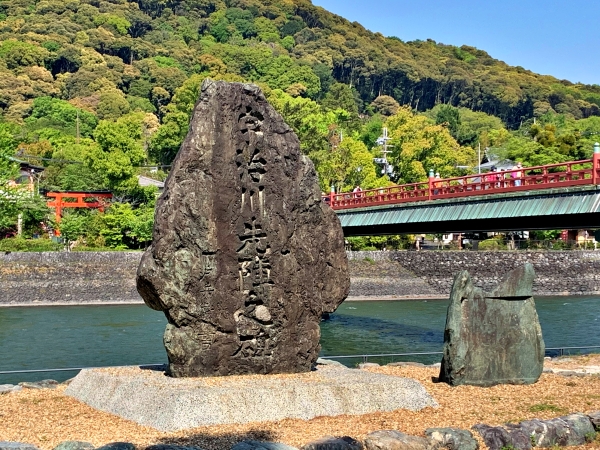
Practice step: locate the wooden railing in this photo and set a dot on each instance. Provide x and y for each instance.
(573, 173)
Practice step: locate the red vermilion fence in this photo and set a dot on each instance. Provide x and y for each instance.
(573, 173)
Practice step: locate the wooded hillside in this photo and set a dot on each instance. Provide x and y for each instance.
(98, 91)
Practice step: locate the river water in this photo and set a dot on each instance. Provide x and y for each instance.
(91, 336)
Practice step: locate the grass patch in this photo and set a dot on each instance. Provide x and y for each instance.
(542, 407)
(29, 245)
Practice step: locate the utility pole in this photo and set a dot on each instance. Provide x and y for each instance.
(383, 142)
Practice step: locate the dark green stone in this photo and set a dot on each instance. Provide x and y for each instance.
(493, 338)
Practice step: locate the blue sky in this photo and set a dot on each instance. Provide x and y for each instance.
(552, 37)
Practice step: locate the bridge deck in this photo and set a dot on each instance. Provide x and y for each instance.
(564, 208)
(556, 196)
(552, 176)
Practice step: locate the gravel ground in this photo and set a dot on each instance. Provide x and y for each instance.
(47, 417)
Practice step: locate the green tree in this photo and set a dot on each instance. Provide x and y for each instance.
(385, 105)
(59, 114)
(119, 149)
(11, 197)
(346, 165)
(419, 146)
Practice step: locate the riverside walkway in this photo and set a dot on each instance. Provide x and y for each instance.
(555, 196)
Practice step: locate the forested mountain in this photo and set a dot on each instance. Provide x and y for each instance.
(144, 50)
(96, 90)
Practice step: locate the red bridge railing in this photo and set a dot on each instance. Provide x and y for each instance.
(573, 173)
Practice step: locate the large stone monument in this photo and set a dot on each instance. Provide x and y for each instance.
(493, 338)
(245, 256)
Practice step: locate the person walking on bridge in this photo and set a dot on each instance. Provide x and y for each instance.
(436, 184)
(517, 173)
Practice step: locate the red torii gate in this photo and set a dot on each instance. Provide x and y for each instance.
(77, 199)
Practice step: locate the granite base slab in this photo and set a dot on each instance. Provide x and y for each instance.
(151, 398)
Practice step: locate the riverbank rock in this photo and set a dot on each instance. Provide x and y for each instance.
(493, 338)
(573, 429)
(453, 438)
(595, 419)
(74, 445)
(6, 388)
(245, 257)
(498, 438)
(117, 446)
(257, 445)
(8, 445)
(396, 440)
(333, 443)
(42, 384)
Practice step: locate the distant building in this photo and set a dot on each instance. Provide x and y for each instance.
(27, 175)
(147, 181)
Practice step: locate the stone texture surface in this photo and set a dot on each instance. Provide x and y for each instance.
(493, 338)
(74, 445)
(170, 447)
(396, 440)
(258, 445)
(333, 443)
(595, 419)
(8, 445)
(565, 431)
(453, 438)
(245, 256)
(498, 438)
(168, 404)
(117, 446)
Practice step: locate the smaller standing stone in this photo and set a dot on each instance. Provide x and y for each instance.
(395, 440)
(453, 438)
(493, 338)
(333, 443)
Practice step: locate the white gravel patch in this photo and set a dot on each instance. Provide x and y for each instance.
(169, 404)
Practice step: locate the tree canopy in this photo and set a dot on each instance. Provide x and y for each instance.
(101, 91)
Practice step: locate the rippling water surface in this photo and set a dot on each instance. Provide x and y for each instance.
(85, 336)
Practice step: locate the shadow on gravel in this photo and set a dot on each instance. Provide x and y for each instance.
(222, 441)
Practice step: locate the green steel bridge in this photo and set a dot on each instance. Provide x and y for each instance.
(557, 196)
